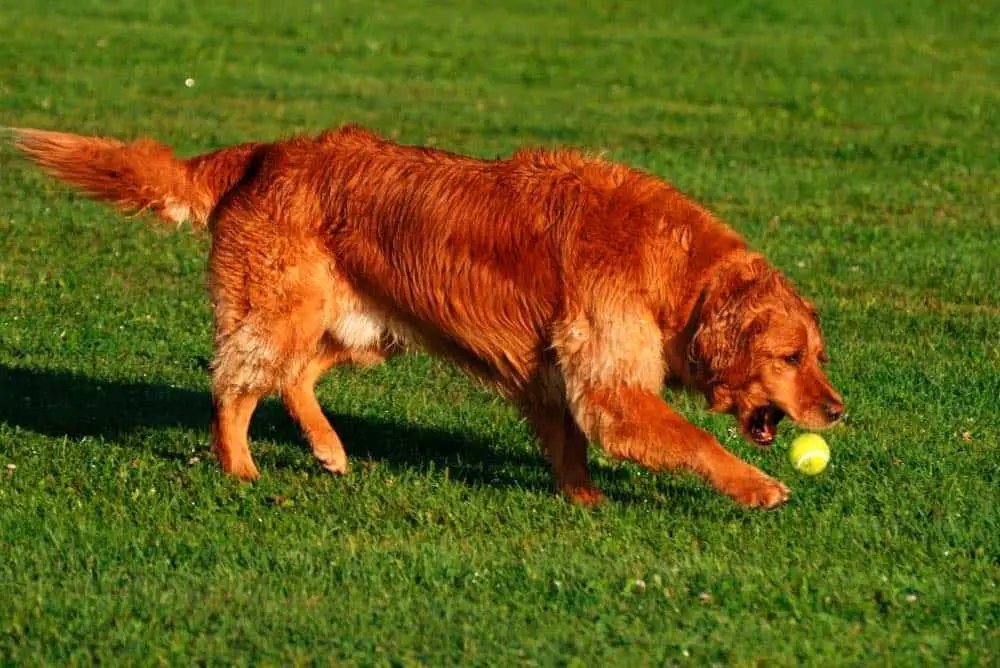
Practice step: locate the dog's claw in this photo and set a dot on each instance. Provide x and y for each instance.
(759, 491)
(245, 471)
(335, 464)
(772, 495)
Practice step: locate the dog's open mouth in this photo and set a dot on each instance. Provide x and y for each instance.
(763, 424)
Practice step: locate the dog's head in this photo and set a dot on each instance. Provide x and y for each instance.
(758, 352)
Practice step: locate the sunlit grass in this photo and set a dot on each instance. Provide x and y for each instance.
(856, 144)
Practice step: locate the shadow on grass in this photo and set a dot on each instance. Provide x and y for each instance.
(58, 403)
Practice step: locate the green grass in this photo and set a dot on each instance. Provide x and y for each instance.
(856, 143)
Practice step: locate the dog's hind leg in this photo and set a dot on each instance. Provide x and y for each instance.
(273, 298)
(300, 399)
(230, 423)
(247, 367)
(290, 365)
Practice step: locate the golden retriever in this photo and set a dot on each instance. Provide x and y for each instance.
(572, 285)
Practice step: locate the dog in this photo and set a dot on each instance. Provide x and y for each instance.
(573, 285)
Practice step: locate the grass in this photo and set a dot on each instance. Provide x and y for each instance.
(855, 143)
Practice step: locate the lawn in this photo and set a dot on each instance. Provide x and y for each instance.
(857, 144)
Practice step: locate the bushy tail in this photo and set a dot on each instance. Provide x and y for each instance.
(139, 176)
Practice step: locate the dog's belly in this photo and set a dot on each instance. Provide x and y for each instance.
(379, 328)
(359, 329)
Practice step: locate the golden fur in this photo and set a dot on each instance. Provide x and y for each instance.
(573, 286)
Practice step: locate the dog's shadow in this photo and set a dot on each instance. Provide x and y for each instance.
(64, 404)
(59, 403)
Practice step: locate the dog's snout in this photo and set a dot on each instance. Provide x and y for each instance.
(834, 409)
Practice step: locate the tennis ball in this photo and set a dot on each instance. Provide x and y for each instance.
(809, 454)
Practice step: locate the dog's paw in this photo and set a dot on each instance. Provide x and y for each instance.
(246, 471)
(335, 463)
(758, 491)
(584, 495)
(329, 452)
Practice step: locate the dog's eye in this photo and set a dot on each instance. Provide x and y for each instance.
(793, 359)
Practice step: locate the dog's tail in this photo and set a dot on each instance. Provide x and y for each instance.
(140, 176)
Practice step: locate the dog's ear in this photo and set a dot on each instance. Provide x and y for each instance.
(728, 324)
(721, 399)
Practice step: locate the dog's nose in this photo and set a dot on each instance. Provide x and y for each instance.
(834, 409)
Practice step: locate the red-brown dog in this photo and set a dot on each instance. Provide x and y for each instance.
(573, 286)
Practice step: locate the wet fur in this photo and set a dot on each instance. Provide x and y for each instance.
(572, 285)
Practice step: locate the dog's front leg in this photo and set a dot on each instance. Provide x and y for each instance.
(613, 368)
(635, 424)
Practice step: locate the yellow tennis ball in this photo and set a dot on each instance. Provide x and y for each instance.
(809, 454)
